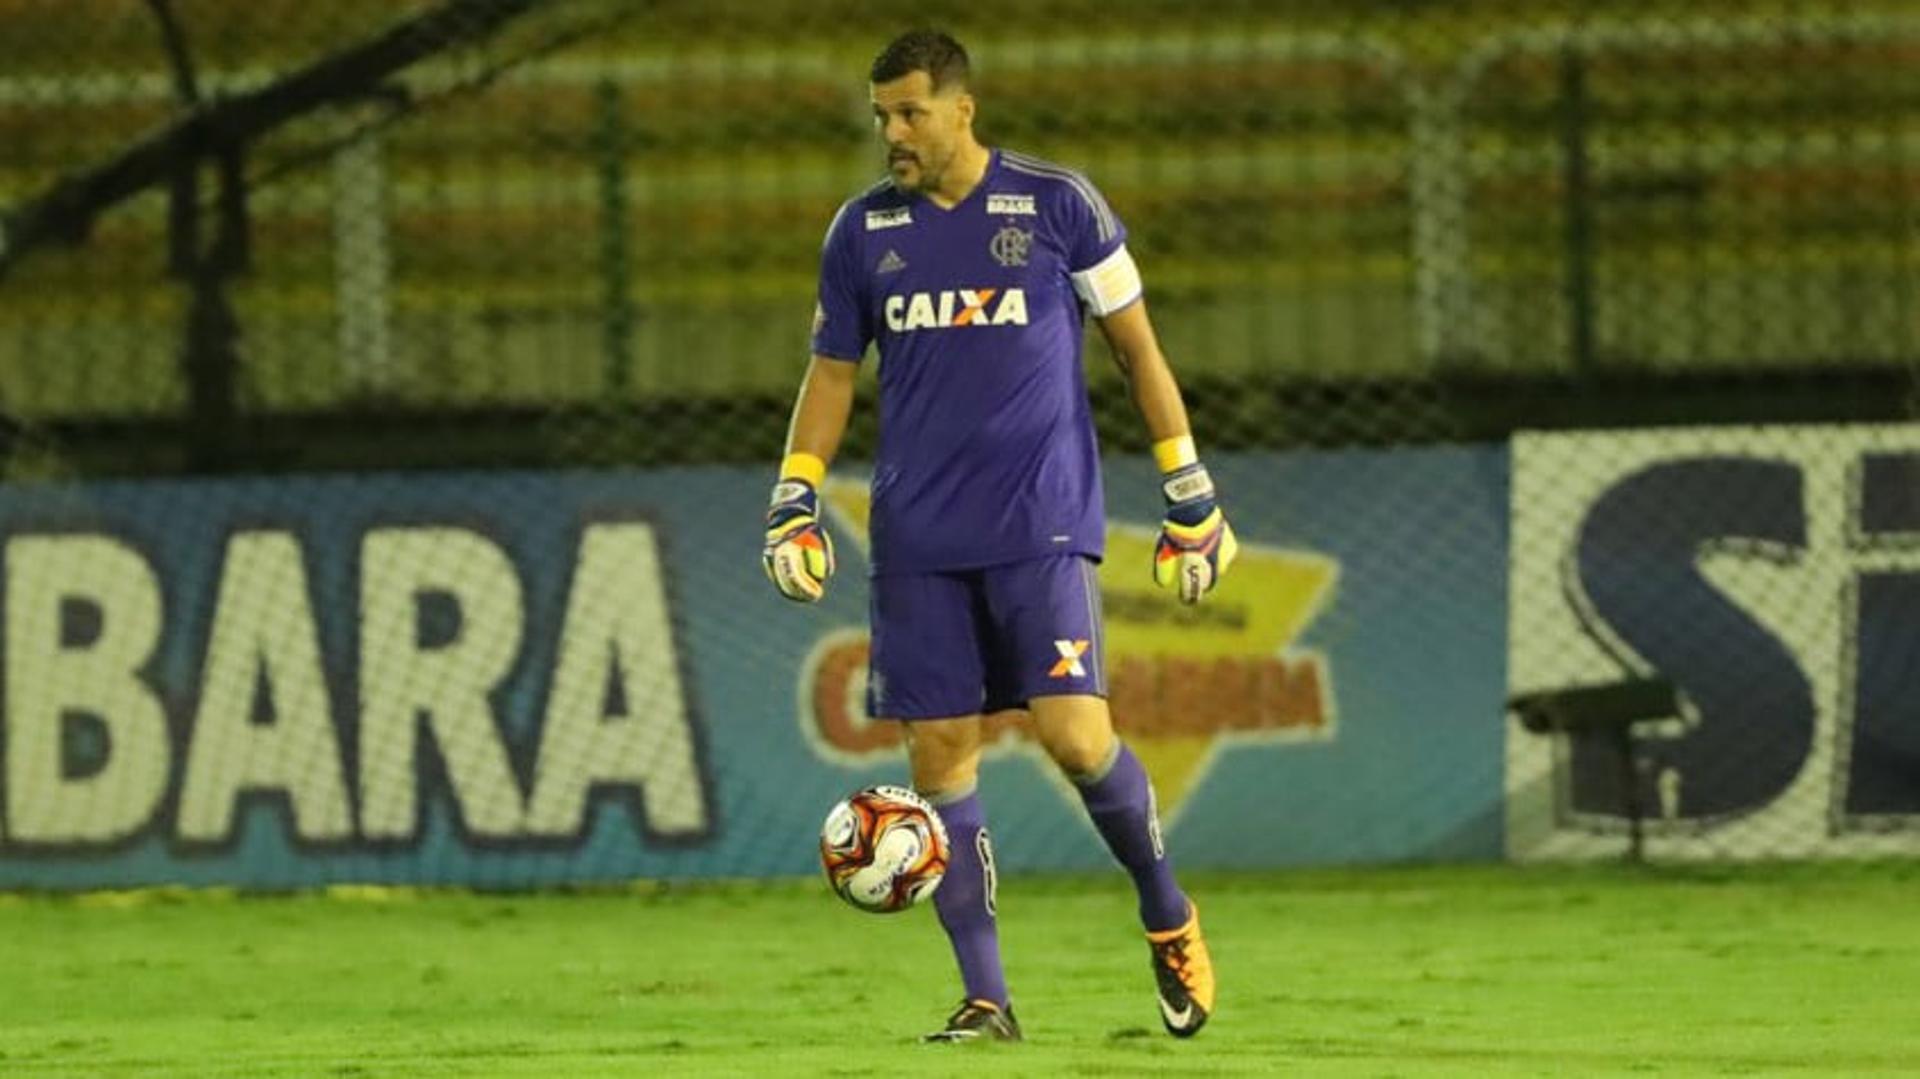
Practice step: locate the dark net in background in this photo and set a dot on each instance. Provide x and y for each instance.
(579, 233)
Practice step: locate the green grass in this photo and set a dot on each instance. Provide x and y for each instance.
(1809, 969)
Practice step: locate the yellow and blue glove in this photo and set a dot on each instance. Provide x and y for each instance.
(798, 555)
(1196, 544)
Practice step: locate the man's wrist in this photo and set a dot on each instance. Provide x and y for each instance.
(1175, 453)
(1187, 486)
(801, 465)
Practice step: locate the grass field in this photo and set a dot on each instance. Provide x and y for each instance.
(1474, 971)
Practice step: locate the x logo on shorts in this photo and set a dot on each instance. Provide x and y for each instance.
(1069, 665)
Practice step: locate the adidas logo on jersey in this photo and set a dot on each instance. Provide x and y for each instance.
(957, 307)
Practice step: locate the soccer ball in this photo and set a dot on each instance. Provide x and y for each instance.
(884, 849)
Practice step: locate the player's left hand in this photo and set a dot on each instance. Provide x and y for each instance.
(1196, 544)
(798, 555)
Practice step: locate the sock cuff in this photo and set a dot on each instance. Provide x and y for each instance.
(943, 799)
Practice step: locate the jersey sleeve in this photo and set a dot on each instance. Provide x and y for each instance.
(842, 323)
(1089, 227)
(1103, 273)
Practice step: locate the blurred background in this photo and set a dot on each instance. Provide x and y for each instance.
(584, 231)
(265, 238)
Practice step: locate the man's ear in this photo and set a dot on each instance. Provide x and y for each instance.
(965, 108)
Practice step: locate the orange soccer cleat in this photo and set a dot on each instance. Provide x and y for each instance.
(1184, 971)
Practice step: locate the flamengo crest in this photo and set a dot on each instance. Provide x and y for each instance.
(1010, 245)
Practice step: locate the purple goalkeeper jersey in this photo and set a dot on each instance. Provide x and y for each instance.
(987, 452)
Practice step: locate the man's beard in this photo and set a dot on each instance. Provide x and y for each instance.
(928, 179)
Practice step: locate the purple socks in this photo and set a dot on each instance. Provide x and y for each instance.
(965, 900)
(1120, 801)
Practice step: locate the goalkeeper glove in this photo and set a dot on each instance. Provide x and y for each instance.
(1196, 544)
(798, 555)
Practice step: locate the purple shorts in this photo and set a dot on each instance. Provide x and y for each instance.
(981, 640)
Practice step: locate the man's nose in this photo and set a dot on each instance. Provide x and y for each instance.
(895, 132)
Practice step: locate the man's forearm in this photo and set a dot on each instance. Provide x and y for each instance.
(819, 420)
(1157, 397)
(1150, 382)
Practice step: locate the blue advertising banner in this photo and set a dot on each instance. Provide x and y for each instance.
(510, 680)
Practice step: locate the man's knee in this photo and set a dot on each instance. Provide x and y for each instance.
(1076, 732)
(1081, 752)
(944, 755)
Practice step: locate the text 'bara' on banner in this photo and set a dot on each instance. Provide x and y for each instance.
(525, 679)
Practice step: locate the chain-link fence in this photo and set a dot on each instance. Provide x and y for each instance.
(586, 231)
(272, 237)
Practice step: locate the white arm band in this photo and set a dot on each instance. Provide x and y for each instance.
(1110, 284)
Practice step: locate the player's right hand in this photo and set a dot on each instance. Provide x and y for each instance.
(798, 555)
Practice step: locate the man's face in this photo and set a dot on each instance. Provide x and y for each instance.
(922, 128)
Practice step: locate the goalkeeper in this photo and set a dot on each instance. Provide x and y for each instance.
(971, 270)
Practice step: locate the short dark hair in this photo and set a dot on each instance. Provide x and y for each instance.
(932, 51)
